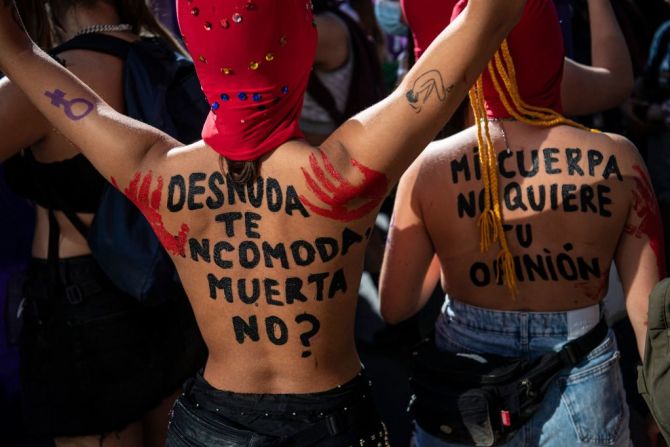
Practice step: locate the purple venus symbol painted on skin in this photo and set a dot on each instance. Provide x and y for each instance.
(58, 99)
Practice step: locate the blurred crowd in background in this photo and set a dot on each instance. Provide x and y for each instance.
(370, 49)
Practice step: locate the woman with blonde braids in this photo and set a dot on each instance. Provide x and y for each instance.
(521, 231)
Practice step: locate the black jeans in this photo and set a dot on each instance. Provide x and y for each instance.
(343, 416)
(94, 360)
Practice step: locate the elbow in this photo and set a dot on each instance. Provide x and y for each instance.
(394, 314)
(623, 87)
(391, 317)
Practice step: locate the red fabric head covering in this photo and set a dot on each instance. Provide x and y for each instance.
(253, 59)
(536, 46)
(426, 19)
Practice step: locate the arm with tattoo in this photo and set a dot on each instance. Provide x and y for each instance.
(424, 87)
(389, 135)
(115, 144)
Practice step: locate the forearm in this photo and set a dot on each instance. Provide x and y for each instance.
(637, 308)
(431, 91)
(609, 79)
(430, 281)
(115, 144)
(455, 59)
(608, 45)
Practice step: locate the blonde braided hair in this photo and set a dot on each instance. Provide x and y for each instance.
(491, 221)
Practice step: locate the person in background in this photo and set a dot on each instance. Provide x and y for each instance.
(347, 74)
(97, 367)
(267, 232)
(609, 79)
(512, 253)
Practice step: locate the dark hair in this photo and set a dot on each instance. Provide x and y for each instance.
(241, 172)
(325, 5)
(43, 19)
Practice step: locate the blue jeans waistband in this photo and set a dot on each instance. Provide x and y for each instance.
(462, 327)
(570, 324)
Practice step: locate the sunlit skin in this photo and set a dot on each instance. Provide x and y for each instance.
(339, 186)
(563, 243)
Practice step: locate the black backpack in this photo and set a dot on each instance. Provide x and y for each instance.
(653, 380)
(367, 82)
(161, 89)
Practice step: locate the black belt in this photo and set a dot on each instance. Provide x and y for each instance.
(333, 423)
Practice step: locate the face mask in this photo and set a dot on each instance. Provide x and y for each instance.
(389, 17)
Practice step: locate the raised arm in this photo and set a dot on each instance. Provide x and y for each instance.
(116, 145)
(640, 257)
(389, 135)
(609, 79)
(21, 125)
(410, 270)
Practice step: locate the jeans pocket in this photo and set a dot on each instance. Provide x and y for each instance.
(594, 399)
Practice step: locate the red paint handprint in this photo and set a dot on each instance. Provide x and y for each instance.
(148, 202)
(646, 208)
(335, 191)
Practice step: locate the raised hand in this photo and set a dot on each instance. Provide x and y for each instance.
(12, 34)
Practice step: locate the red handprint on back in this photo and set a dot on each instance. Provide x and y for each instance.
(646, 208)
(339, 191)
(148, 202)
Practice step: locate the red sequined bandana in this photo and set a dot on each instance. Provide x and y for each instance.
(253, 59)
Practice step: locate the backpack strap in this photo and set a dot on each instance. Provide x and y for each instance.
(101, 43)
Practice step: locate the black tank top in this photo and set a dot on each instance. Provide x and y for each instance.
(73, 181)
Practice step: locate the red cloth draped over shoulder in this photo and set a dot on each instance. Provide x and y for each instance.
(253, 59)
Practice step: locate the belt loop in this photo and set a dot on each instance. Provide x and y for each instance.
(188, 386)
(74, 294)
(334, 423)
(524, 328)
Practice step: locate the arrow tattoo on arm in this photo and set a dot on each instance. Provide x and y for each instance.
(425, 85)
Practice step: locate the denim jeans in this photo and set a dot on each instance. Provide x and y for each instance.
(344, 416)
(585, 406)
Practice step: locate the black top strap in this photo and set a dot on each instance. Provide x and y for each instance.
(101, 43)
(60, 202)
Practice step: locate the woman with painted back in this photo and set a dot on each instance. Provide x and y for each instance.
(521, 233)
(267, 233)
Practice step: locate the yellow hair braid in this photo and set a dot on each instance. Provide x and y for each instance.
(491, 220)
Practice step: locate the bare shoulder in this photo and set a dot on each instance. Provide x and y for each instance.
(333, 42)
(439, 154)
(607, 144)
(625, 151)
